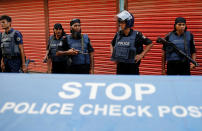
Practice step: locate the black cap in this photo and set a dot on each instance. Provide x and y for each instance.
(57, 26)
(180, 20)
(6, 17)
(73, 21)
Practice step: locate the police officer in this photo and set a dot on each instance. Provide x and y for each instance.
(82, 61)
(12, 48)
(127, 45)
(57, 63)
(183, 39)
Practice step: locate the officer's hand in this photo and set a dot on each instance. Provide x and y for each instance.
(2, 66)
(76, 52)
(48, 71)
(91, 71)
(192, 66)
(163, 72)
(45, 59)
(72, 51)
(138, 57)
(24, 68)
(69, 52)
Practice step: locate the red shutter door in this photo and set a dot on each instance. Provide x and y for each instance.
(156, 18)
(97, 20)
(28, 18)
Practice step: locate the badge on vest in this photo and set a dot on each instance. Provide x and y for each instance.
(120, 43)
(53, 45)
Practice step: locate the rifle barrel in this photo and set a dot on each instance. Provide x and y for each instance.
(164, 42)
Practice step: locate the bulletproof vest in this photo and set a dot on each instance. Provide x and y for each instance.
(124, 49)
(54, 44)
(8, 44)
(179, 42)
(83, 57)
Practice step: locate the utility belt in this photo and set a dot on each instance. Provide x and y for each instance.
(11, 57)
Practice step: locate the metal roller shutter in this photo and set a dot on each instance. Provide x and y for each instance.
(97, 20)
(156, 18)
(28, 18)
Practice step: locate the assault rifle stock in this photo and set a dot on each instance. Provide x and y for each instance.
(178, 51)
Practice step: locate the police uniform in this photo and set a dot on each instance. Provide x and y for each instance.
(178, 65)
(125, 50)
(59, 63)
(10, 50)
(80, 62)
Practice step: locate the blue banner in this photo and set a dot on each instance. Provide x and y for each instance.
(47, 102)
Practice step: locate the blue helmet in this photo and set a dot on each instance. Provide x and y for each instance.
(127, 17)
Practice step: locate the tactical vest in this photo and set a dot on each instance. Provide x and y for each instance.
(179, 42)
(53, 48)
(83, 57)
(124, 49)
(8, 44)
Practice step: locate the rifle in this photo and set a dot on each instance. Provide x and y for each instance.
(174, 47)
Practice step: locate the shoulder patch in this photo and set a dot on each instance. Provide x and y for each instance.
(18, 38)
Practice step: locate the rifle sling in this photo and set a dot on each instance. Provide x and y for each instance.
(185, 44)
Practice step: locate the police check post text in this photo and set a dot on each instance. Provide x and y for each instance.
(73, 91)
